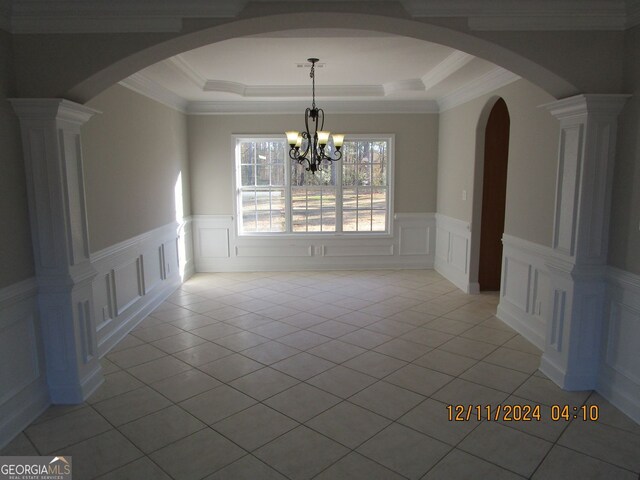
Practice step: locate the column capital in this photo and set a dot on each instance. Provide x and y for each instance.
(52, 109)
(604, 104)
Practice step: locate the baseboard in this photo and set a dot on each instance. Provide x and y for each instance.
(522, 323)
(459, 279)
(23, 411)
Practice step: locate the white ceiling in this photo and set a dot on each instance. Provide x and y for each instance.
(359, 70)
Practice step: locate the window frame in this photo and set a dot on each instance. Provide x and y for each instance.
(288, 233)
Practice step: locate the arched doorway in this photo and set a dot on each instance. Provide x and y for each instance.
(494, 192)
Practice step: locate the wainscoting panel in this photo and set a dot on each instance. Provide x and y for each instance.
(133, 278)
(453, 241)
(619, 378)
(23, 387)
(524, 296)
(218, 248)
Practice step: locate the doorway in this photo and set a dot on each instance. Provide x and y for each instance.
(494, 194)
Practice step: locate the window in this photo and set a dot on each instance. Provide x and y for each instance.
(277, 195)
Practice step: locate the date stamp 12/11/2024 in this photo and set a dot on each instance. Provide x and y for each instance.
(522, 413)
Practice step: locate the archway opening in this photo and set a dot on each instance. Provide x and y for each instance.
(494, 192)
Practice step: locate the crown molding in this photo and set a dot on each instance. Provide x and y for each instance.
(179, 64)
(119, 16)
(298, 107)
(490, 81)
(280, 91)
(445, 69)
(143, 85)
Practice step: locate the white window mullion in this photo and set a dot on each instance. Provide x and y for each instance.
(338, 192)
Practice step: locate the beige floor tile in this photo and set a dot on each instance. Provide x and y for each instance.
(202, 354)
(142, 468)
(387, 400)
(114, 384)
(157, 332)
(100, 454)
(493, 336)
(468, 347)
(274, 329)
(365, 338)
(131, 405)
(215, 331)
(135, 356)
(332, 328)
(506, 447)
(159, 369)
(356, 467)
(419, 379)
(241, 341)
(404, 450)
(270, 352)
(606, 443)
(179, 342)
(462, 392)
(342, 381)
(197, 455)
(610, 415)
(19, 447)
(562, 463)
(127, 342)
(432, 418)
(459, 464)
(375, 364)
(348, 424)
(523, 345)
(301, 453)
(336, 351)
(303, 366)
(303, 340)
(447, 325)
(161, 428)
(264, 383)
(507, 357)
(217, 404)
(184, 385)
(426, 336)
(544, 391)
(545, 428)
(231, 367)
(402, 349)
(255, 426)
(494, 376)
(445, 362)
(247, 468)
(74, 427)
(302, 402)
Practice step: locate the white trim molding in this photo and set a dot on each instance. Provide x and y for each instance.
(524, 289)
(24, 394)
(134, 277)
(619, 375)
(490, 81)
(580, 237)
(452, 252)
(218, 248)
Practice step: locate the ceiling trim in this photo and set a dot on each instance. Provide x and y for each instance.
(179, 64)
(279, 91)
(298, 107)
(118, 16)
(445, 69)
(490, 81)
(143, 85)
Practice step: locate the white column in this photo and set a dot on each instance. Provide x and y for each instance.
(580, 237)
(55, 185)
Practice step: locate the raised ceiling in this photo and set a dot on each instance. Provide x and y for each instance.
(358, 71)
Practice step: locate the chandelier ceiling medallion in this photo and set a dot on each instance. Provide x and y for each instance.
(313, 146)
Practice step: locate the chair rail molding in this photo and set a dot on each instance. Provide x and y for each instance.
(580, 236)
(55, 188)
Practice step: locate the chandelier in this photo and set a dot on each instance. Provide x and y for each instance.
(311, 149)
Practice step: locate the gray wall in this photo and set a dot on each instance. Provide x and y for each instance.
(15, 242)
(533, 151)
(133, 153)
(212, 160)
(624, 246)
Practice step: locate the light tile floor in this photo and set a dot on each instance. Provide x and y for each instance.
(327, 375)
